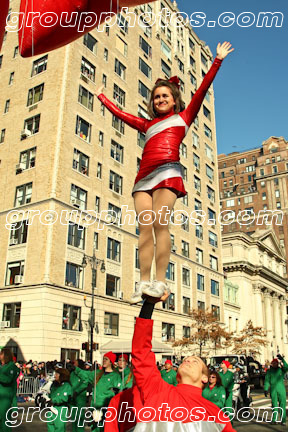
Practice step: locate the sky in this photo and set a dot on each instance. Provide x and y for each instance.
(251, 88)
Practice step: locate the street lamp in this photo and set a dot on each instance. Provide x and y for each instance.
(94, 263)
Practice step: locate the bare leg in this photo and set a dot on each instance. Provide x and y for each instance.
(143, 203)
(161, 198)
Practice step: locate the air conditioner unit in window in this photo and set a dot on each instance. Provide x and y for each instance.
(120, 295)
(5, 324)
(174, 248)
(107, 331)
(18, 279)
(20, 167)
(75, 202)
(14, 241)
(25, 133)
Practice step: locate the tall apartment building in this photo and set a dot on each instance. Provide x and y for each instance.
(62, 152)
(256, 181)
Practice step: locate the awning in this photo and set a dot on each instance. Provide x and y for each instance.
(125, 346)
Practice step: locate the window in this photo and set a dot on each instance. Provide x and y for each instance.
(27, 159)
(71, 319)
(264, 196)
(183, 150)
(120, 69)
(185, 248)
(39, 65)
(209, 152)
(184, 173)
(106, 54)
(277, 193)
(204, 61)
(97, 204)
(141, 140)
(145, 68)
(2, 136)
(186, 332)
(111, 324)
(101, 138)
(196, 161)
(32, 124)
(201, 305)
(216, 311)
(185, 222)
(209, 172)
(85, 98)
(278, 205)
(191, 45)
(211, 194)
(212, 216)
(230, 203)
(248, 199)
(276, 182)
(241, 161)
(115, 182)
(115, 213)
(11, 78)
(119, 95)
(200, 282)
(74, 275)
(96, 241)
(185, 200)
(23, 194)
(142, 112)
(1, 60)
(121, 45)
(81, 162)
(112, 285)
(113, 250)
(199, 256)
(12, 313)
(250, 168)
(186, 305)
(181, 66)
(137, 262)
(193, 79)
(197, 205)
(168, 332)
(14, 273)
(122, 23)
(213, 239)
(206, 112)
(83, 129)
(35, 95)
(214, 287)
(76, 236)
(102, 109)
(207, 131)
(90, 42)
(16, 51)
(118, 124)
(117, 151)
(213, 262)
(78, 197)
(275, 169)
(143, 90)
(165, 69)
(208, 96)
(18, 234)
(166, 50)
(262, 171)
(263, 184)
(169, 304)
(7, 106)
(186, 276)
(88, 69)
(145, 47)
(104, 80)
(170, 272)
(99, 170)
(197, 183)
(199, 231)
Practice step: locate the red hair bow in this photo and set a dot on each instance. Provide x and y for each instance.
(173, 80)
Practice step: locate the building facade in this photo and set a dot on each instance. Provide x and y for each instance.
(256, 288)
(64, 158)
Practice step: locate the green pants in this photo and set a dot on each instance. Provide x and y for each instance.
(57, 424)
(278, 398)
(80, 403)
(229, 405)
(5, 405)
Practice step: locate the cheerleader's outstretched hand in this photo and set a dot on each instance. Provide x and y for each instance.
(99, 90)
(224, 49)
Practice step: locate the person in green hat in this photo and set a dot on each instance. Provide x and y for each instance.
(215, 392)
(60, 396)
(79, 387)
(125, 372)
(8, 385)
(169, 374)
(275, 381)
(105, 383)
(227, 378)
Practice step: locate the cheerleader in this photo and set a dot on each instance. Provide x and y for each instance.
(159, 181)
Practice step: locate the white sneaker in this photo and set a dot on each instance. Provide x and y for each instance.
(137, 295)
(156, 289)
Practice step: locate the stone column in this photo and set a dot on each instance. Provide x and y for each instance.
(257, 293)
(283, 325)
(277, 322)
(269, 323)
